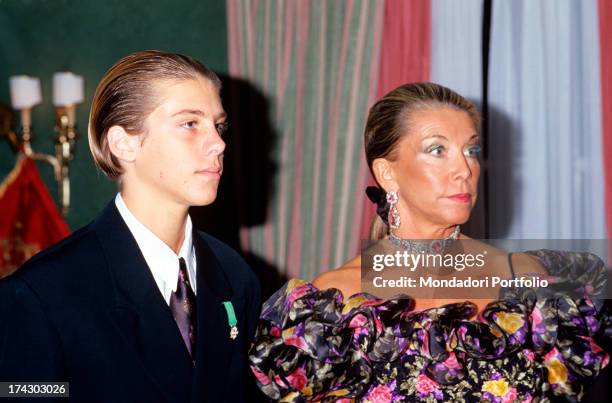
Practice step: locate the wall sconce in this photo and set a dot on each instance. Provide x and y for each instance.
(67, 93)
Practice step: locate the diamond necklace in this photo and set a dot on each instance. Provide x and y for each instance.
(425, 246)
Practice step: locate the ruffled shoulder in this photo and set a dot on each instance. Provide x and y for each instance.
(310, 345)
(573, 274)
(314, 345)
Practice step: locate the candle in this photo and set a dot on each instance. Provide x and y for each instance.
(25, 92)
(67, 89)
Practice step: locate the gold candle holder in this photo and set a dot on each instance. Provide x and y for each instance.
(65, 141)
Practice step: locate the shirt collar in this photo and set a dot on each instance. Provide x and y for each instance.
(160, 258)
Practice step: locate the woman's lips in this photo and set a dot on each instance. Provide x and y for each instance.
(461, 197)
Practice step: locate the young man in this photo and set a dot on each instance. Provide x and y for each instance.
(137, 306)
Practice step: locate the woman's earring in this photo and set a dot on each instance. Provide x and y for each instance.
(394, 216)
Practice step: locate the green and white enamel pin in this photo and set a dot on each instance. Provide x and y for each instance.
(231, 319)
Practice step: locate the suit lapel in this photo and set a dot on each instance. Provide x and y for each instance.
(140, 312)
(214, 346)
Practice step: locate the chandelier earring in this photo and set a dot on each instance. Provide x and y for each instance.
(394, 216)
(387, 210)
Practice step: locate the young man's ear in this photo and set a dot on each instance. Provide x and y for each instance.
(384, 174)
(123, 145)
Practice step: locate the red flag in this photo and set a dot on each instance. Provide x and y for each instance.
(29, 219)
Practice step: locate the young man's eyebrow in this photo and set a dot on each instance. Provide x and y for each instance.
(198, 112)
(189, 112)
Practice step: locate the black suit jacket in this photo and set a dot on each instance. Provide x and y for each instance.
(89, 312)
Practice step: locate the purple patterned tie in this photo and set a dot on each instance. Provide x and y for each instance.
(183, 307)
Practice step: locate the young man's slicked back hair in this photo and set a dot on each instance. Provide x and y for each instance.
(126, 96)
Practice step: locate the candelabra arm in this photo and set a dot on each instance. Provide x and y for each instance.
(65, 190)
(64, 151)
(64, 145)
(50, 159)
(6, 120)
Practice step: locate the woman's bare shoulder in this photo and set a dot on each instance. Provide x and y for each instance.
(346, 278)
(523, 263)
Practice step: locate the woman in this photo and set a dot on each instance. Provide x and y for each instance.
(139, 306)
(327, 341)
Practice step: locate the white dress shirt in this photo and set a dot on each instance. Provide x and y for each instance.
(161, 259)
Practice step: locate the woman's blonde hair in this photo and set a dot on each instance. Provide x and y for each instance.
(391, 117)
(126, 95)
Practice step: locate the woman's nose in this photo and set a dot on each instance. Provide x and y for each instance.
(461, 167)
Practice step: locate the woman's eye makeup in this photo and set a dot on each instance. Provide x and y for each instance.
(435, 149)
(473, 150)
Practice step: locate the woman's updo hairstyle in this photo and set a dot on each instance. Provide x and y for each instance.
(391, 117)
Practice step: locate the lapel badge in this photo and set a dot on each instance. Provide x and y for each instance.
(234, 332)
(231, 319)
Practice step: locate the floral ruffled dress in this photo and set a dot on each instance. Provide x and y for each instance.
(311, 345)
